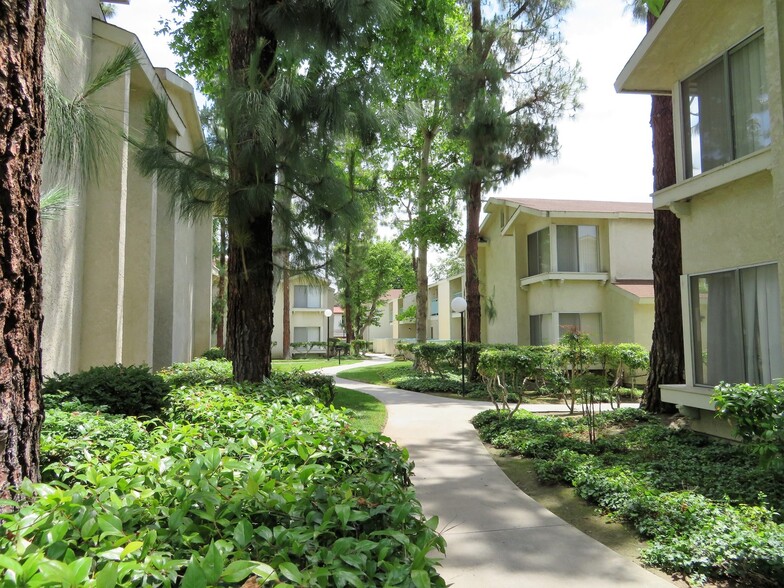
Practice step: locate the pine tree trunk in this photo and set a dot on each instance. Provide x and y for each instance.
(349, 323)
(250, 295)
(221, 327)
(474, 309)
(666, 359)
(286, 310)
(21, 135)
(474, 204)
(421, 263)
(249, 341)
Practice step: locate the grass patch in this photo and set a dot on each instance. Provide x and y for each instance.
(380, 374)
(289, 365)
(368, 413)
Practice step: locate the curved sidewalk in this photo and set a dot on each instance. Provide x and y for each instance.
(497, 536)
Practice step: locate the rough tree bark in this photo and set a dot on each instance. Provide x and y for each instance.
(422, 310)
(21, 317)
(347, 318)
(221, 327)
(666, 359)
(286, 311)
(474, 205)
(250, 295)
(473, 300)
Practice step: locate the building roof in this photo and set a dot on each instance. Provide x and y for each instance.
(639, 288)
(392, 294)
(580, 206)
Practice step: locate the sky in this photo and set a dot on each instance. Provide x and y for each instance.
(605, 149)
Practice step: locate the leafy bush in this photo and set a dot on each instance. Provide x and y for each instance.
(323, 387)
(214, 353)
(431, 385)
(199, 371)
(507, 373)
(242, 481)
(756, 413)
(130, 390)
(359, 346)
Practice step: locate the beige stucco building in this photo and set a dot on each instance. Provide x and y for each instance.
(309, 298)
(125, 281)
(548, 265)
(721, 61)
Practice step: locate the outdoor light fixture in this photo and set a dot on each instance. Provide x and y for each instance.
(328, 314)
(459, 304)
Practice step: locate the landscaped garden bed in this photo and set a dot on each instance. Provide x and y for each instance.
(706, 507)
(226, 484)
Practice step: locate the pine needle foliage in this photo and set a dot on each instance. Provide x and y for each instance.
(78, 131)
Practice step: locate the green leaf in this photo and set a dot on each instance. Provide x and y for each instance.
(131, 547)
(10, 564)
(343, 512)
(194, 576)
(212, 564)
(291, 571)
(243, 533)
(56, 572)
(110, 524)
(107, 577)
(420, 578)
(80, 569)
(238, 571)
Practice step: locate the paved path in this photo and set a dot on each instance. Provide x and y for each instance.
(497, 536)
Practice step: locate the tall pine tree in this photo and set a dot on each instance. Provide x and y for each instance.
(508, 93)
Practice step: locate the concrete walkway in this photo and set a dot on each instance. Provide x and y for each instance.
(497, 536)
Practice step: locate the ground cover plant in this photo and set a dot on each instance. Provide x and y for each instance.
(231, 483)
(707, 508)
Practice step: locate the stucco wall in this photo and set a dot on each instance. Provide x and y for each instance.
(630, 243)
(123, 282)
(499, 285)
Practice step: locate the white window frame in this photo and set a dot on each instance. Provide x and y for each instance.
(692, 351)
(312, 296)
(685, 110)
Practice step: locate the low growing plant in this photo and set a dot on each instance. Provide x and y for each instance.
(130, 390)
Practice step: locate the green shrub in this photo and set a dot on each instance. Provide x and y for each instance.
(130, 390)
(198, 371)
(756, 416)
(323, 387)
(430, 385)
(214, 353)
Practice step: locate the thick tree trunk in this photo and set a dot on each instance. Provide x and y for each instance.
(221, 326)
(21, 135)
(347, 318)
(422, 310)
(474, 203)
(474, 311)
(252, 171)
(286, 310)
(666, 359)
(249, 341)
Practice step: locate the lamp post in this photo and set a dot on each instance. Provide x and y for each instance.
(459, 304)
(328, 314)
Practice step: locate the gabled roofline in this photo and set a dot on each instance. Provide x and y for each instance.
(622, 81)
